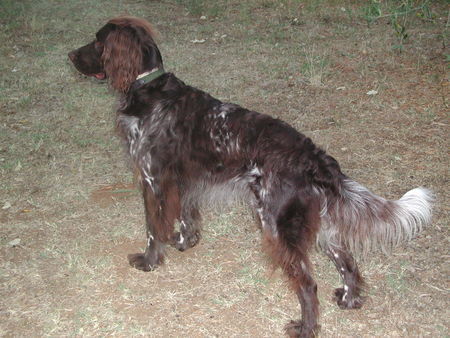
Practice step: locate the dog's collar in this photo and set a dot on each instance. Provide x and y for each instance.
(149, 76)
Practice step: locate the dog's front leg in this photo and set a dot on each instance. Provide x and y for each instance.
(190, 227)
(155, 230)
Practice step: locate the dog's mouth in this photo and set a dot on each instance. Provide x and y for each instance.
(100, 76)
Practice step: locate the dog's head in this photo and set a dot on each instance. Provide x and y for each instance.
(122, 49)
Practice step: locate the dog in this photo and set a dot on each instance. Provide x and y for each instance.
(188, 148)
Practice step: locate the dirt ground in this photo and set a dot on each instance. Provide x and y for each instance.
(70, 213)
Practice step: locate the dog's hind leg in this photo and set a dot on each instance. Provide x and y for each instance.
(305, 287)
(297, 222)
(190, 227)
(349, 296)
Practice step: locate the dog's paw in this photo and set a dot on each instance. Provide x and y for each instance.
(346, 300)
(297, 329)
(140, 262)
(184, 243)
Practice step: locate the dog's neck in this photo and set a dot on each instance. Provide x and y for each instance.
(150, 75)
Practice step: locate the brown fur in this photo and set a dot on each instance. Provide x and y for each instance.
(186, 145)
(122, 55)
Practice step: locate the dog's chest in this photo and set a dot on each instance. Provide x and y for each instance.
(130, 127)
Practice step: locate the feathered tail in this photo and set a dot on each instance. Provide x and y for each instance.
(361, 221)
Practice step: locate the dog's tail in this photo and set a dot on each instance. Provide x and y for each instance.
(362, 221)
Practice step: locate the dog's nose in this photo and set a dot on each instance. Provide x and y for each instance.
(72, 56)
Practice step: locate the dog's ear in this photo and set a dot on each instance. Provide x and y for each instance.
(122, 57)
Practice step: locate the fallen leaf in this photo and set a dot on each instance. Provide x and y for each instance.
(198, 41)
(14, 242)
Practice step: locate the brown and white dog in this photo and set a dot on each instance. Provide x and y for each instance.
(188, 147)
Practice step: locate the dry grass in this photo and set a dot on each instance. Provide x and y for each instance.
(66, 193)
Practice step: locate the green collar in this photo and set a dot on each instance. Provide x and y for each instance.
(148, 77)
